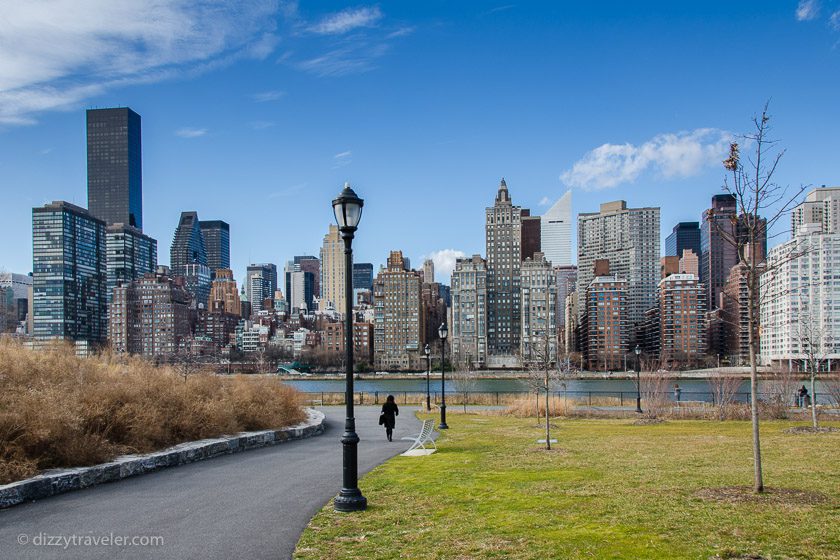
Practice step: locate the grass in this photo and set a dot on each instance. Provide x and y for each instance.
(611, 489)
(58, 410)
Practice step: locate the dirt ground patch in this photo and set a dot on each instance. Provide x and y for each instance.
(810, 430)
(745, 494)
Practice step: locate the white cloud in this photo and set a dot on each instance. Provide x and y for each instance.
(188, 132)
(354, 58)
(807, 10)
(342, 158)
(261, 125)
(57, 53)
(545, 201)
(834, 20)
(347, 20)
(673, 155)
(266, 96)
(444, 263)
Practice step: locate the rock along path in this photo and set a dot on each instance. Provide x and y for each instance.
(248, 505)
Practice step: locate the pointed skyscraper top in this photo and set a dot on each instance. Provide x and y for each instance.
(503, 185)
(503, 196)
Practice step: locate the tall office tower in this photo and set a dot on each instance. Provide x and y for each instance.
(150, 316)
(539, 308)
(69, 274)
(309, 263)
(531, 242)
(503, 230)
(399, 329)
(603, 327)
(468, 329)
(566, 281)
(556, 232)
(571, 329)
(428, 271)
(129, 255)
(681, 320)
(685, 235)
(187, 245)
(362, 276)
(434, 310)
(299, 288)
(629, 239)
(17, 296)
(115, 166)
(216, 235)
(260, 285)
(332, 270)
(224, 297)
(821, 206)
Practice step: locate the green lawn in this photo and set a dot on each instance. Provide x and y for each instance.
(611, 490)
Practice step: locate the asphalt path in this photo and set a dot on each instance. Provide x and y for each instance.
(253, 504)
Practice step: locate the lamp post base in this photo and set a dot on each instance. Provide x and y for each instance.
(442, 425)
(638, 405)
(350, 499)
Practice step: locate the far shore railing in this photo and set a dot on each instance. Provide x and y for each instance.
(579, 398)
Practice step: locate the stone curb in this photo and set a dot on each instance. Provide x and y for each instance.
(58, 481)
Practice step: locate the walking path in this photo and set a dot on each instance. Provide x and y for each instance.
(249, 505)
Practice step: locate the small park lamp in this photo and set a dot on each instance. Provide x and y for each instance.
(428, 352)
(638, 352)
(348, 213)
(442, 333)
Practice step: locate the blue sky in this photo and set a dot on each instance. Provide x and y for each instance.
(258, 114)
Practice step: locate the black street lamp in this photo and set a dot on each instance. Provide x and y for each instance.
(442, 332)
(428, 352)
(638, 380)
(348, 213)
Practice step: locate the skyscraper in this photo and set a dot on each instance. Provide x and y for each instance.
(187, 244)
(299, 287)
(603, 327)
(685, 235)
(531, 241)
(312, 264)
(428, 271)
(399, 320)
(556, 231)
(362, 276)
(69, 274)
(260, 284)
(503, 230)
(539, 307)
(216, 235)
(469, 312)
(332, 269)
(115, 166)
(629, 239)
(129, 255)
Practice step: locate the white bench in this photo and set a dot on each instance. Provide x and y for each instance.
(421, 439)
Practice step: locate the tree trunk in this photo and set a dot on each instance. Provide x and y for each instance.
(547, 417)
(814, 399)
(758, 483)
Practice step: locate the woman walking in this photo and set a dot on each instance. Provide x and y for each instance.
(388, 418)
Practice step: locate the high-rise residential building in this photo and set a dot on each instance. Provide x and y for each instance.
(434, 309)
(690, 263)
(566, 281)
(69, 276)
(556, 232)
(216, 234)
(721, 226)
(531, 241)
(224, 296)
(150, 316)
(299, 289)
(821, 206)
(800, 298)
(571, 330)
(539, 308)
(681, 320)
(187, 245)
(129, 255)
(362, 276)
(115, 166)
(17, 288)
(734, 298)
(260, 285)
(629, 239)
(503, 230)
(399, 329)
(309, 263)
(669, 266)
(603, 329)
(332, 269)
(428, 271)
(685, 235)
(468, 327)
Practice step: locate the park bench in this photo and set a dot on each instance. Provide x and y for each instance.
(421, 439)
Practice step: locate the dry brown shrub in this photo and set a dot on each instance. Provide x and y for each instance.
(58, 410)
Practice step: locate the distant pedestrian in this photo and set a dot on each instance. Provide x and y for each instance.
(677, 392)
(803, 396)
(388, 417)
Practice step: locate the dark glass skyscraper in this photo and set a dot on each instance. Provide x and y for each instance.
(216, 235)
(686, 235)
(115, 170)
(363, 276)
(188, 258)
(130, 254)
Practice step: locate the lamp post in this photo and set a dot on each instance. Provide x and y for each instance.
(428, 352)
(442, 332)
(638, 380)
(348, 212)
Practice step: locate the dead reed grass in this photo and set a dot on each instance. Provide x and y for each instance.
(58, 410)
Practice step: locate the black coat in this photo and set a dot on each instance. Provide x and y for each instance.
(390, 411)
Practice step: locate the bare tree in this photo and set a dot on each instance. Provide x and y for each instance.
(542, 374)
(761, 203)
(724, 389)
(464, 381)
(816, 344)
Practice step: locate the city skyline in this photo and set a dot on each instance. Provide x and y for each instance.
(286, 143)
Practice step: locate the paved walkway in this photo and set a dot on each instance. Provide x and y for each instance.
(249, 505)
